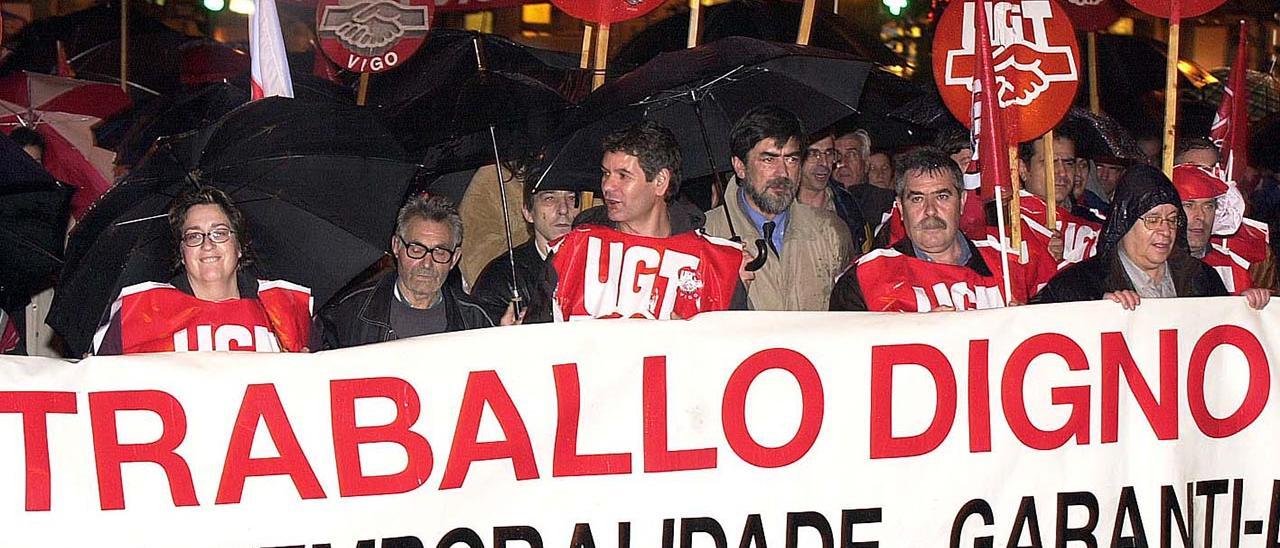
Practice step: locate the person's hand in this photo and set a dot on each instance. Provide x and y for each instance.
(743, 274)
(1128, 298)
(1257, 297)
(1056, 246)
(944, 308)
(510, 318)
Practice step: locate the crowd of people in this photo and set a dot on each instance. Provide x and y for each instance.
(806, 221)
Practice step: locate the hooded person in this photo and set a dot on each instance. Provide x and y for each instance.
(1142, 250)
(1202, 193)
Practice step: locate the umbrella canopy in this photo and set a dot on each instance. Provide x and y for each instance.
(35, 48)
(162, 64)
(1264, 92)
(33, 224)
(699, 93)
(462, 82)
(167, 116)
(64, 111)
(319, 185)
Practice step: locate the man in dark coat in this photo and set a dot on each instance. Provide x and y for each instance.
(413, 299)
(549, 210)
(1142, 251)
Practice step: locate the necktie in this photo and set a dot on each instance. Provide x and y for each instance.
(769, 226)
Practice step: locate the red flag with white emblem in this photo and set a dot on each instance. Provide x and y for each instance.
(1230, 130)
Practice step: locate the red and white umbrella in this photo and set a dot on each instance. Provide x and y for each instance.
(64, 111)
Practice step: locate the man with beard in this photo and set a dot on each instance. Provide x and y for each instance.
(806, 247)
(549, 210)
(818, 189)
(638, 256)
(1200, 191)
(935, 267)
(412, 299)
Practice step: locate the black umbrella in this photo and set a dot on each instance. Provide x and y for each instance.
(319, 185)
(167, 116)
(33, 223)
(35, 48)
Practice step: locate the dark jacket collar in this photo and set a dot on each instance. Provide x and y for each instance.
(377, 310)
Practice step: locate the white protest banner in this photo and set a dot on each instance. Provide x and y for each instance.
(1055, 425)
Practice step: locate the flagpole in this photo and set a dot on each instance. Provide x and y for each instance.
(1015, 204)
(602, 56)
(124, 46)
(1094, 105)
(1171, 87)
(1004, 242)
(806, 22)
(695, 22)
(584, 62)
(1050, 181)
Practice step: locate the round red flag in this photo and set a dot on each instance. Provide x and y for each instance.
(1189, 8)
(372, 35)
(1091, 15)
(1035, 59)
(607, 11)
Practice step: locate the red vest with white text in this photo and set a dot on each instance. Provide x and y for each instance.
(158, 317)
(891, 281)
(1232, 268)
(1079, 236)
(604, 273)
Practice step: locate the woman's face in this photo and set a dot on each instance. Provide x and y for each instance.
(1150, 240)
(209, 262)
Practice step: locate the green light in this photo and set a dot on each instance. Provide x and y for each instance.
(895, 6)
(215, 5)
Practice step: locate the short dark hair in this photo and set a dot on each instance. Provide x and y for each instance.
(207, 195)
(925, 160)
(1027, 149)
(431, 208)
(654, 146)
(1197, 142)
(25, 136)
(952, 140)
(767, 122)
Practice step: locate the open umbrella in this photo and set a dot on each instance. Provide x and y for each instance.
(162, 64)
(1264, 92)
(33, 223)
(167, 116)
(319, 185)
(64, 111)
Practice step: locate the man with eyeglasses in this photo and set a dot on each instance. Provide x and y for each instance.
(412, 299)
(1141, 254)
(819, 190)
(549, 209)
(1201, 190)
(806, 247)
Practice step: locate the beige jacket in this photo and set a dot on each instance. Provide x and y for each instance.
(815, 249)
(481, 211)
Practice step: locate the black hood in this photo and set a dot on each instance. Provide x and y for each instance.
(1141, 188)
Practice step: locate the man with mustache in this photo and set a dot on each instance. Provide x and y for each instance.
(641, 254)
(806, 246)
(549, 209)
(412, 299)
(935, 267)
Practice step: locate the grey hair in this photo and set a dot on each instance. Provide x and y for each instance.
(431, 208)
(864, 141)
(925, 160)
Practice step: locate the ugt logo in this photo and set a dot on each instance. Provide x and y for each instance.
(372, 28)
(1027, 57)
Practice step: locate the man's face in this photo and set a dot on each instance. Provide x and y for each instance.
(1151, 147)
(1033, 175)
(852, 167)
(1109, 176)
(628, 195)
(551, 212)
(769, 175)
(815, 172)
(880, 170)
(931, 210)
(423, 276)
(1200, 214)
(1150, 240)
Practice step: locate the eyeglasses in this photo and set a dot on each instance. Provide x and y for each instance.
(830, 154)
(416, 250)
(217, 236)
(1153, 222)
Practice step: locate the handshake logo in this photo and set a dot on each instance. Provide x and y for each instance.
(371, 28)
(1024, 62)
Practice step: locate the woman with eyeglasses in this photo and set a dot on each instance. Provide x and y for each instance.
(211, 304)
(1142, 251)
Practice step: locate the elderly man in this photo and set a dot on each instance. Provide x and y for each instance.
(550, 211)
(1200, 191)
(853, 148)
(806, 246)
(1141, 252)
(412, 299)
(935, 267)
(818, 189)
(632, 258)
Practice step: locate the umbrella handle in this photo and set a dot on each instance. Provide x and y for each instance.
(762, 255)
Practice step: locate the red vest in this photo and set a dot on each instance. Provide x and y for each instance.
(893, 282)
(158, 317)
(1079, 236)
(1232, 268)
(604, 273)
(1250, 242)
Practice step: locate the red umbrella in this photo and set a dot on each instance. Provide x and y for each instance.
(64, 111)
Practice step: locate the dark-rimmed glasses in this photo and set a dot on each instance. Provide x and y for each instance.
(416, 250)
